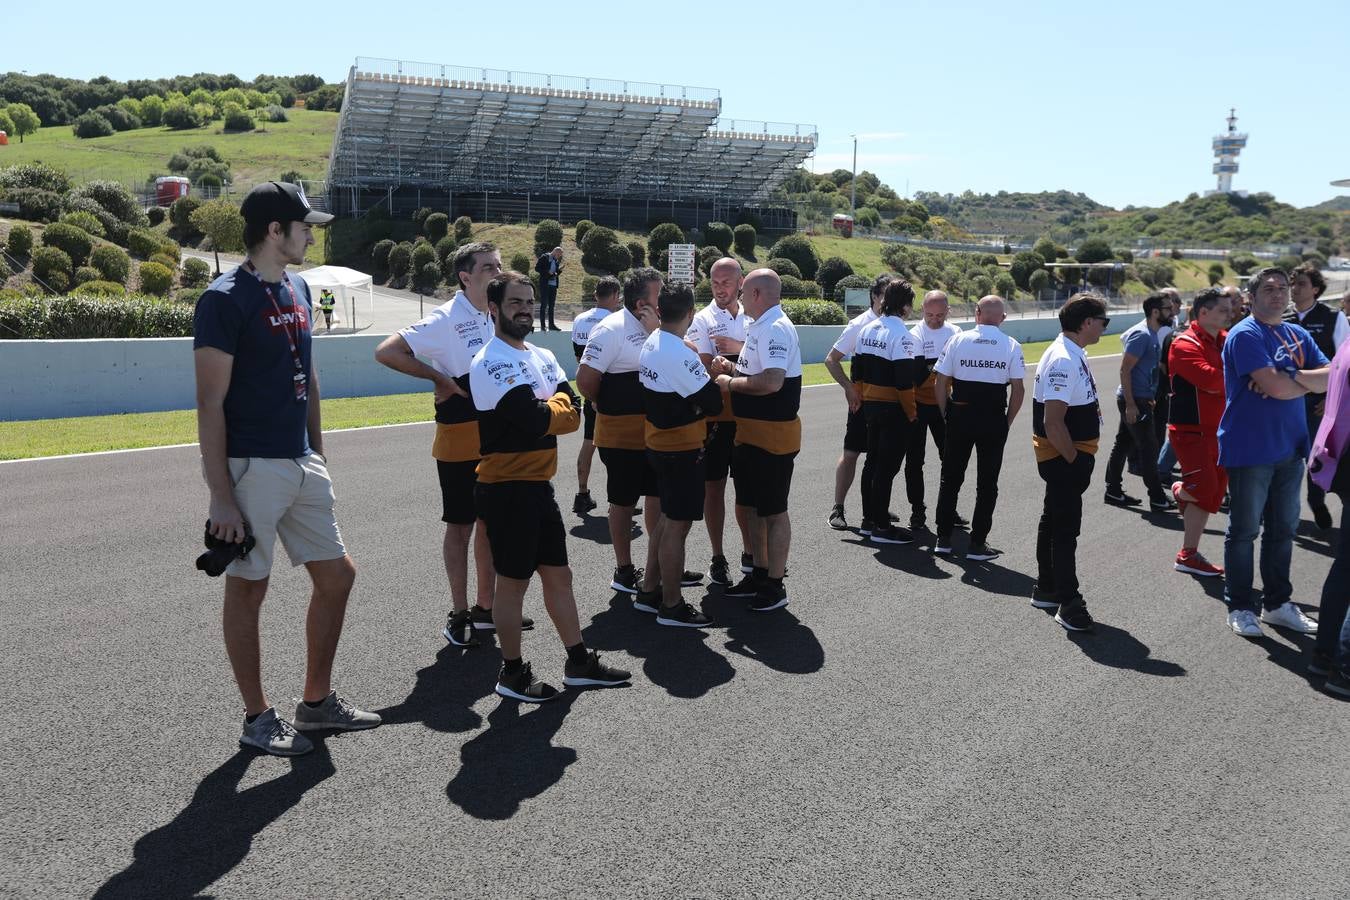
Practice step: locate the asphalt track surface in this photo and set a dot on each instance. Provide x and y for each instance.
(905, 727)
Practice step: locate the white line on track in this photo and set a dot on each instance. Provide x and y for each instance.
(329, 431)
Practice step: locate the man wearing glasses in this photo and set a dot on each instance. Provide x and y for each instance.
(1269, 366)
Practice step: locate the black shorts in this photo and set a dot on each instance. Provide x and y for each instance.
(763, 479)
(588, 420)
(679, 477)
(628, 476)
(457, 483)
(855, 432)
(524, 526)
(717, 452)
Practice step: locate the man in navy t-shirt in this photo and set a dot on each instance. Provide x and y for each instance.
(1269, 365)
(262, 457)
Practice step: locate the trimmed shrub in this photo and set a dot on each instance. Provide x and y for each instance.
(196, 272)
(744, 237)
(85, 274)
(784, 267)
(463, 228)
(51, 261)
(237, 118)
(274, 113)
(379, 255)
(199, 170)
(99, 289)
(1243, 263)
(1177, 254)
(547, 235)
(703, 292)
(59, 282)
(155, 278)
(112, 263)
(180, 213)
(419, 216)
(92, 125)
(85, 221)
(813, 312)
(831, 270)
(35, 175)
(400, 257)
(706, 257)
(423, 254)
(1023, 264)
(436, 227)
(119, 118)
(35, 204)
(20, 241)
(847, 282)
(75, 241)
(637, 252)
(1038, 281)
(164, 260)
(428, 276)
(601, 251)
(113, 197)
(522, 263)
(156, 215)
(800, 250)
(719, 235)
(445, 247)
(796, 287)
(114, 229)
(583, 226)
(97, 311)
(660, 239)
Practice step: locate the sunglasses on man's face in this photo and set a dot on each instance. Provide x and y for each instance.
(1105, 320)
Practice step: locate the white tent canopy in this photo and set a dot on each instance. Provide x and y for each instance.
(346, 284)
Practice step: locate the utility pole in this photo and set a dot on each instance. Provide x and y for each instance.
(853, 184)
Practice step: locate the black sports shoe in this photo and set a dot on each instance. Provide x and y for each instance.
(583, 503)
(647, 601)
(892, 516)
(1320, 663)
(918, 522)
(892, 535)
(769, 596)
(682, 615)
(458, 629)
(746, 587)
(747, 564)
(691, 578)
(719, 572)
(1339, 683)
(593, 673)
(1118, 497)
(626, 579)
(836, 518)
(523, 686)
(865, 527)
(982, 552)
(1075, 618)
(1322, 516)
(1044, 599)
(482, 619)
(961, 521)
(1166, 504)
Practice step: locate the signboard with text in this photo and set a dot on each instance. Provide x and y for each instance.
(681, 265)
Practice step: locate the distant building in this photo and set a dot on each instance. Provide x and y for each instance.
(1226, 150)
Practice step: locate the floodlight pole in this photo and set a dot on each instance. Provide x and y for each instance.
(853, 183)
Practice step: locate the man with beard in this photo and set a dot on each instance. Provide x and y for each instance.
(1135, 399)
(930, 339)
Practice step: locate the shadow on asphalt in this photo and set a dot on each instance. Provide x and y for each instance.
(678, 660)
(912, 559)
(215, 832)
(776, 639)
(1117, 648)
(1295, 658)
(1309, 537)
(994, 579)
(514, 759)
(445, 691)
(595, 529)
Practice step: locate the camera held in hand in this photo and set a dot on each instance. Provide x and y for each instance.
(220, 553)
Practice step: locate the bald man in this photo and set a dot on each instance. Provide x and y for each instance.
(973, 378)
(765, 386)
(930, 339)
(719, 330)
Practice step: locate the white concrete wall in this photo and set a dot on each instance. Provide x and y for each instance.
(56, 379)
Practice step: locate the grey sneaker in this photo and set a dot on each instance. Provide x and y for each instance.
(333, 712)
(272, 734)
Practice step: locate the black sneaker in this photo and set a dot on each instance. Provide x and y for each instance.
(769, 596)
(719, 572)
(1322, 516)
(1044, 599)
(1321, 664)
(746, 587)
(647, 601)
(682, 615)
(982, 552)
(523, 686)
(836, 519)
(583, 503)
(691, 578)
(961, 521)
(891, 535)
(1075, 618)
(892, 516)
(626, 579)
(593, 673)
(482, 619)
(918, 522)
(865, 527)
(747, 564)
(1118, 497)
(1339, 684)
(1166, 504)
(458, 629)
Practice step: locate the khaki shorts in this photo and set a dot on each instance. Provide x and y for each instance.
(287, 498)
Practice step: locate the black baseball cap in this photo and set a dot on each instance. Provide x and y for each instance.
(280, 201)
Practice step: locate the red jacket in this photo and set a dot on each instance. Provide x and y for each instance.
(1195, 366)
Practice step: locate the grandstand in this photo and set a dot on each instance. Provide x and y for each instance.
(494, 145)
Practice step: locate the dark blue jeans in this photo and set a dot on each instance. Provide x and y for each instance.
(1333, 628)
(1264, 500)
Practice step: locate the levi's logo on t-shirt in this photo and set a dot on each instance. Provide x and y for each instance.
(288, 319)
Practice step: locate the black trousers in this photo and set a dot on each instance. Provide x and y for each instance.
(1140, 438)
(548, 299)
(927, 419)
(1316, 496)
(1061, 521)
(887, 437)
(983, 431)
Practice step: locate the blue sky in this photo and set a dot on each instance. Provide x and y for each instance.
(1118, 101)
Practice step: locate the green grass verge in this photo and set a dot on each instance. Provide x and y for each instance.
(90, 434)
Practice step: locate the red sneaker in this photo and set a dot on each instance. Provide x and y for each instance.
(1192, 563)
(1181, 504)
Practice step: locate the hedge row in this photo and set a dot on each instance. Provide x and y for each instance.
(92, 316)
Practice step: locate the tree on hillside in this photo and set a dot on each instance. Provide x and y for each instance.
(220, 221)
(1047, 250)
(1094, 250)
(1215, 273)
(6, 123)
(25, 120)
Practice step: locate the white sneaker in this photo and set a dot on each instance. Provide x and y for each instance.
(1243, 622)
(1287, 615)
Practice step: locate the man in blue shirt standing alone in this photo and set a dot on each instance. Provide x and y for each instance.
(1135, 400)
(1268, 366)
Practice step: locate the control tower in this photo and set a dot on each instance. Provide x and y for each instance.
(1226, 150)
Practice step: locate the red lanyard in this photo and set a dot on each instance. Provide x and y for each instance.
(301, 377)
